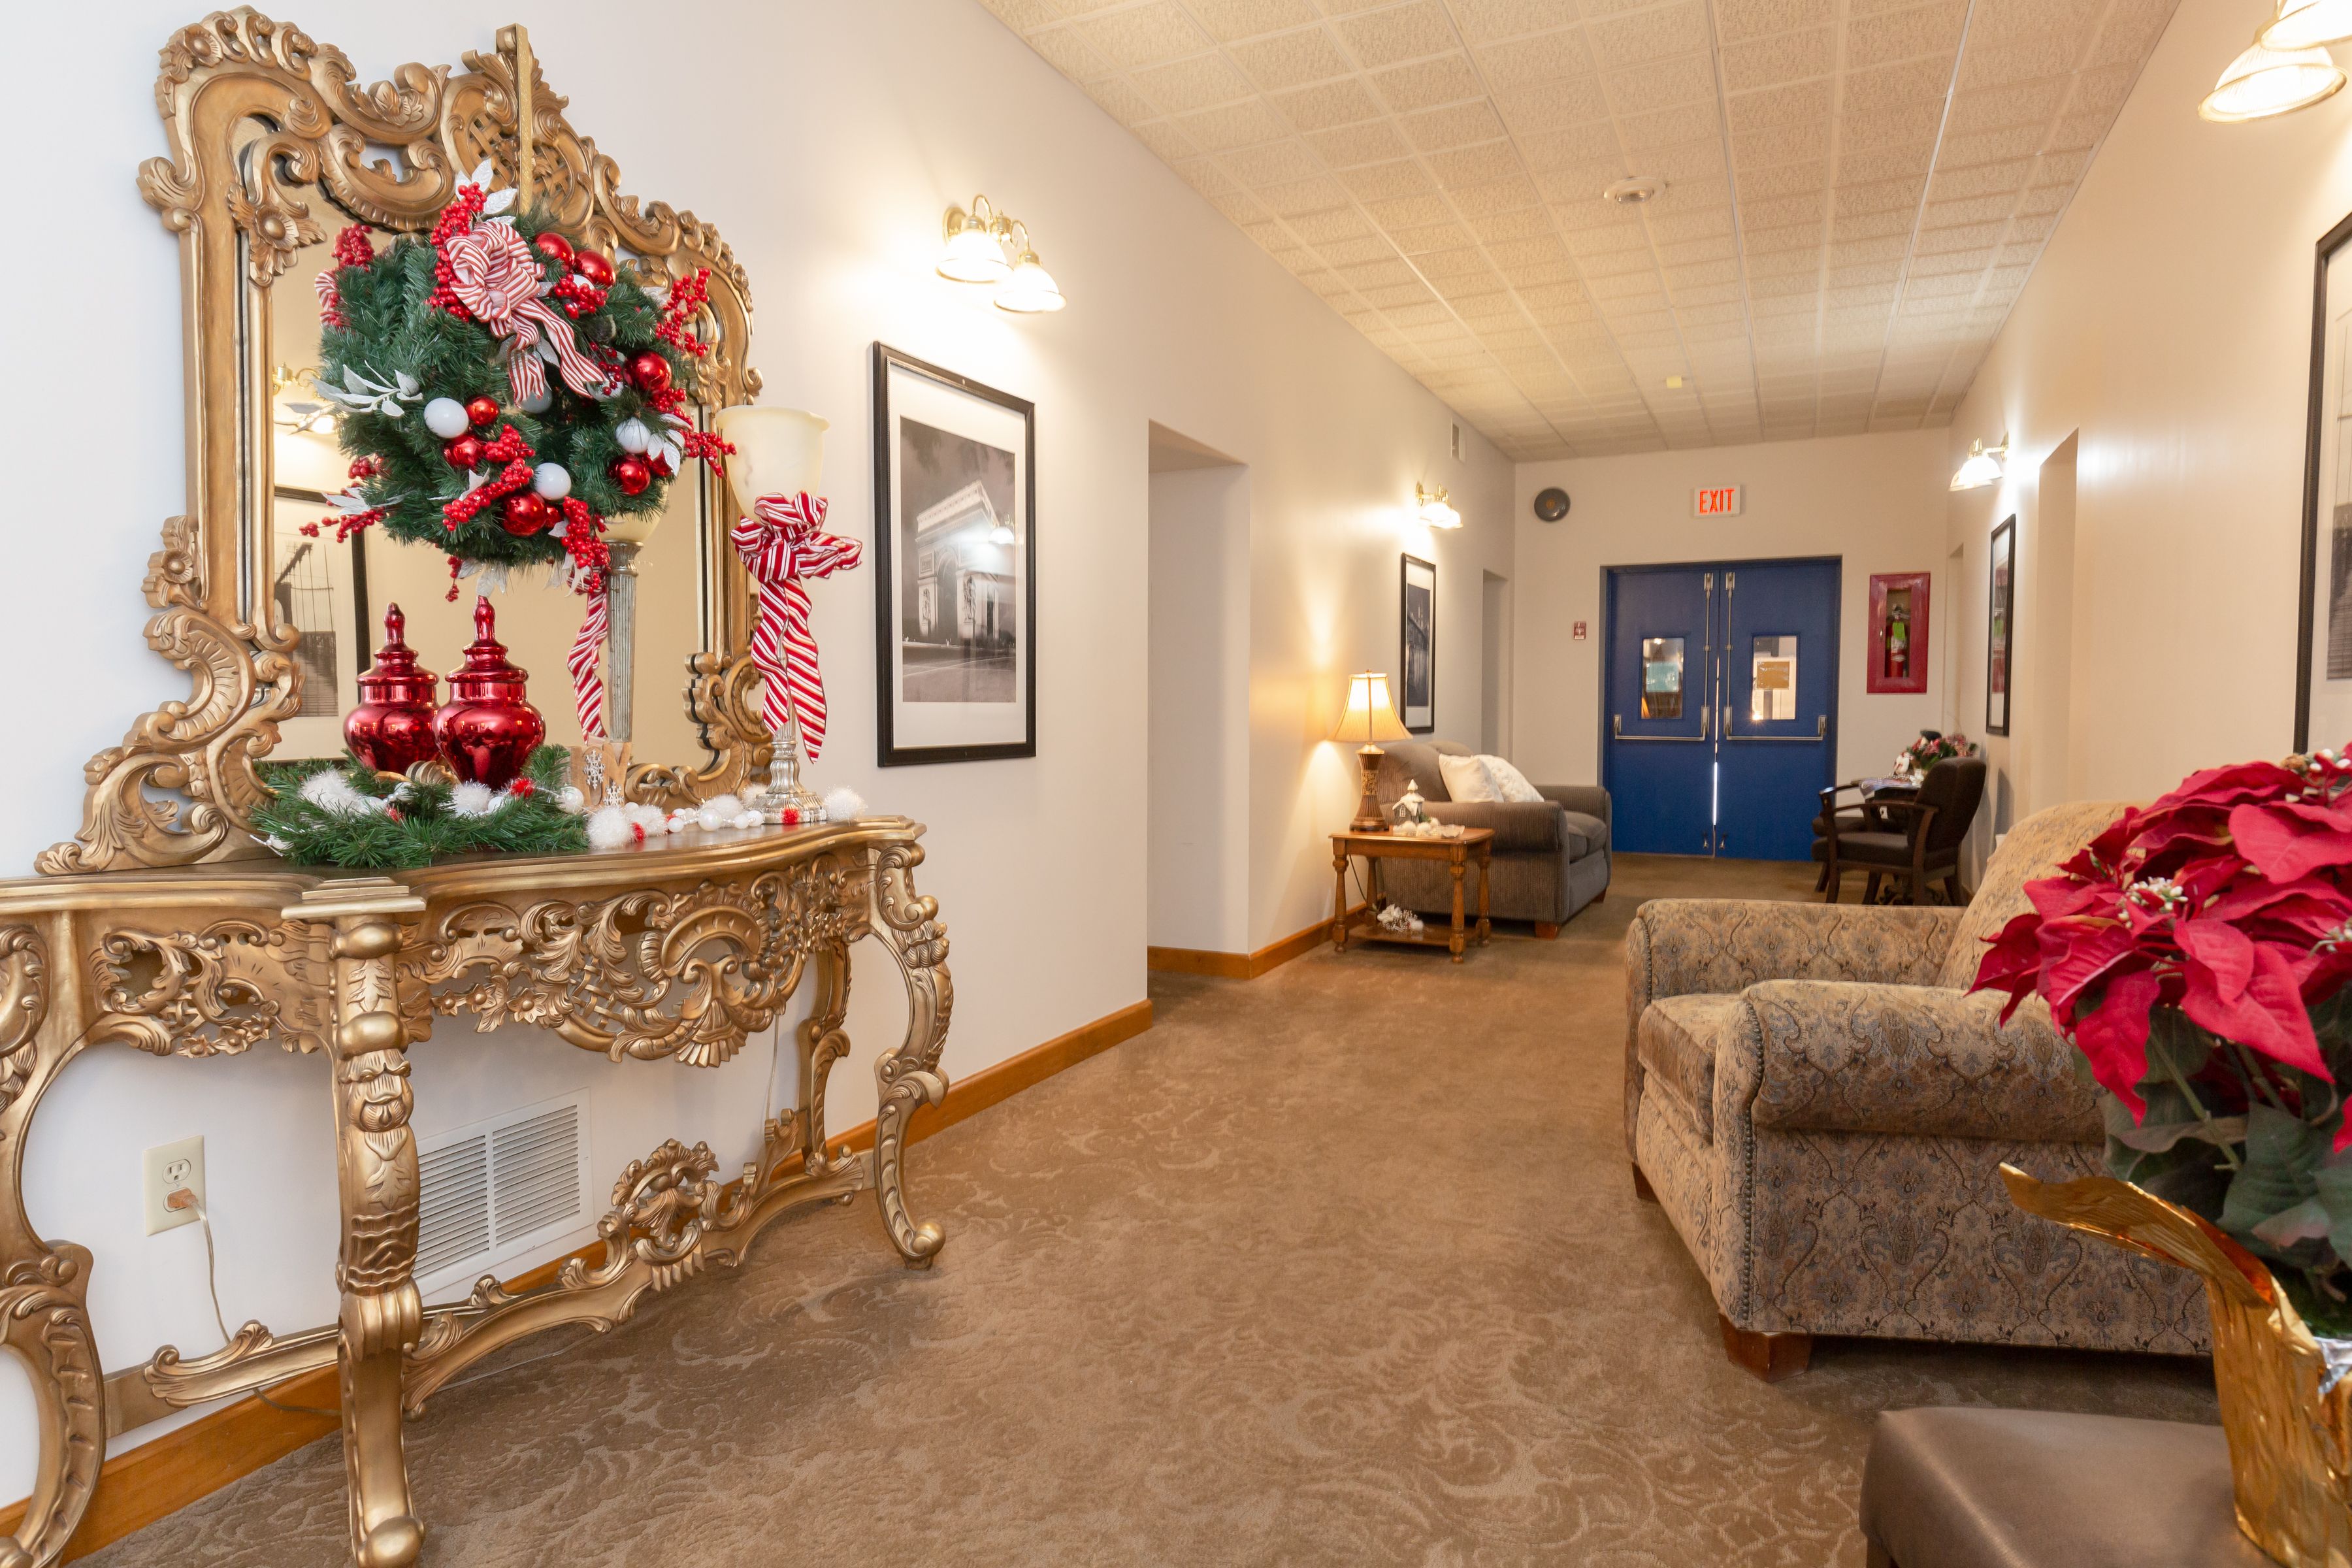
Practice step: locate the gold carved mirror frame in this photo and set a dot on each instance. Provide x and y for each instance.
(181, 786)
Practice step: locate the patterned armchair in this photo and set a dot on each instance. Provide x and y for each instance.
(1822, 1112)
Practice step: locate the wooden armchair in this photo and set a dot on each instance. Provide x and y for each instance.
(1908, 843)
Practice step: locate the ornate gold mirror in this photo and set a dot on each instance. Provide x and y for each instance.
(275, 147)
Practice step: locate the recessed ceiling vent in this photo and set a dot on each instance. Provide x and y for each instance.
(1636, 189)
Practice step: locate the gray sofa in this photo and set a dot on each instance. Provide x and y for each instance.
(1550, 857)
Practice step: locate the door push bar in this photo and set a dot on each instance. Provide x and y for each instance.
(1617, 732)
(1821, 731)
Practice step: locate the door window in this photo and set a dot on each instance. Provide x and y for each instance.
(1662, 677)
(1772, 686)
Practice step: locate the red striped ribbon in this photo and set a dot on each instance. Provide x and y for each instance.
(783, 544)
(587, 651)
(495, 276)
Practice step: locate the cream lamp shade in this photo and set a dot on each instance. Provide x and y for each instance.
(778, 451)
(2300, 23)
(1981, 467)
(1370, 718)
(2264, 81)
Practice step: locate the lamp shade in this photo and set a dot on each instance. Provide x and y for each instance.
(1979, 470)
(1031, 289)
(972, 255)
(2301, 24)
(2267, 81)
(1370, 717)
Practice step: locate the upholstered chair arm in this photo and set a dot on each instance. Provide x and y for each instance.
(1684, 947)
(1904, 1060)
(1589, 799)
(1521, 827)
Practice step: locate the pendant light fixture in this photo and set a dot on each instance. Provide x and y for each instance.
(2302, 23)
(1983, 465)
(2264, 81)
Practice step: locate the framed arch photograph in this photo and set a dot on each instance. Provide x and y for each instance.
(1417, 646)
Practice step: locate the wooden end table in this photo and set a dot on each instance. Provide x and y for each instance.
(1476, 842)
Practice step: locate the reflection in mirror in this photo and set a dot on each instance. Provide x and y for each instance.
(1772, 679)
(335, 595)
(1662, 677)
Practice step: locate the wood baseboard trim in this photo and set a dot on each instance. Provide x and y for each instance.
(138, 1488)
(1242, 965)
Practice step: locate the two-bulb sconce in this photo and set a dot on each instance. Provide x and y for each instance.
(2287, 67)
(1431, 509)
(1982, 465)
(983, 245)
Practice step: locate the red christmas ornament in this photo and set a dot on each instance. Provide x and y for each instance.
(526, 514)
(650, 371)
(595, 267)
(554, 246)
(482, 411)
(465, 452)
(487, 730)
(632, 475)
(660, 464)
(391, 729)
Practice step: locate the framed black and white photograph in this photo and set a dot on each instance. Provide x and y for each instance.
(2000, 628)
(955, 556)
(2323, 697)
(320, 588)
(1417, 646)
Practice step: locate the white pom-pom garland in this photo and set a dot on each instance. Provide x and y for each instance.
(331, 793)
(474, 800)
(609, 827)
(729, 806)
(844, 803)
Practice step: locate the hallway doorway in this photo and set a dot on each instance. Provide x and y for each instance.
(1719, 706)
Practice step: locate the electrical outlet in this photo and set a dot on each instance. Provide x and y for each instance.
(169, 1167)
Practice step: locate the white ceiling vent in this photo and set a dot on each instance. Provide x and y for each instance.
(498, 1188)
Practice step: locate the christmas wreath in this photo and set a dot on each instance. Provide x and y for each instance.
(504, 393)
(347, 814)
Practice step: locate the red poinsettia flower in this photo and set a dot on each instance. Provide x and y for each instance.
(2229, 899)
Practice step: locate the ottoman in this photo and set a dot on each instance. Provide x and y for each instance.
(1947, 1488)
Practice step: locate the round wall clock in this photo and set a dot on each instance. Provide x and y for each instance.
(1551, 505)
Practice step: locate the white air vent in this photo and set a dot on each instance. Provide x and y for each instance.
(495, 1189)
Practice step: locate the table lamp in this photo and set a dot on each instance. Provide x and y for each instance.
(1369, 717)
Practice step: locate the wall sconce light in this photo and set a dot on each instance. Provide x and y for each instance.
(974, 252)
(1983, 465)
(2301, 24)
(2266, 80)
(1431, 509)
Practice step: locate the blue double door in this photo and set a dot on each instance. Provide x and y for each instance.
(1719, 715)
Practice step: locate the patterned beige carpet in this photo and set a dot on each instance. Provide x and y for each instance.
(1341, 1266)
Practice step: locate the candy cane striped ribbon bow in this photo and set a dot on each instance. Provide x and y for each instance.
(587, 653)
(782, 545)
(495, 276)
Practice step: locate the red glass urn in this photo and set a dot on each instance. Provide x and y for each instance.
(487, 730)
(391, 729)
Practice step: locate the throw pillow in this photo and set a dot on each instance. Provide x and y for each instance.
(1466, 778)
(1511, 783)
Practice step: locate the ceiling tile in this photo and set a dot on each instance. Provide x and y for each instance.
(1433, 169)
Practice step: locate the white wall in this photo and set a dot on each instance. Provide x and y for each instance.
(2169, 323)
(1199, 878)
(1876, 502)
(823, 140)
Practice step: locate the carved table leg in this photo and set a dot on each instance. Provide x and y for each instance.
(375, 1159)
(1339, 898)
(1454, 937)
(907, 1075)
(822, 1044)
(44, 1318)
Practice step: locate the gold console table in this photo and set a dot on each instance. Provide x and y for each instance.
(675, 951)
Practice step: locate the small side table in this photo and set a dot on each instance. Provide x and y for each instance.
(1475, 844)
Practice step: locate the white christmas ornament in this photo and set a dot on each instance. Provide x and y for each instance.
(445, 417)
(844, 804)
(744, 819)
(538, 402)
(631, 433)
(569, 799)
(550, 482)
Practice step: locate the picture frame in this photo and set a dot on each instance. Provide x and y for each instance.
(1898, 631)
(2323, 694)
(2000, 627)
(320, 588)
(955, 567)
(1417, 645)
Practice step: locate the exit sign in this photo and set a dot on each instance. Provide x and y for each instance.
(1719, 502)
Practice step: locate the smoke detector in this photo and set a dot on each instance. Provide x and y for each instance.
(1636, 189)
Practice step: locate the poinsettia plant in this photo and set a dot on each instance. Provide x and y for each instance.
(2196, 955)
(1931, 748)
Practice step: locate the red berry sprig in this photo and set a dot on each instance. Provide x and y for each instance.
(455, 219)
(353, 249)
(687, 298)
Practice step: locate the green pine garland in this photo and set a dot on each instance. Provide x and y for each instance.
(386, 321)
(419, 826)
